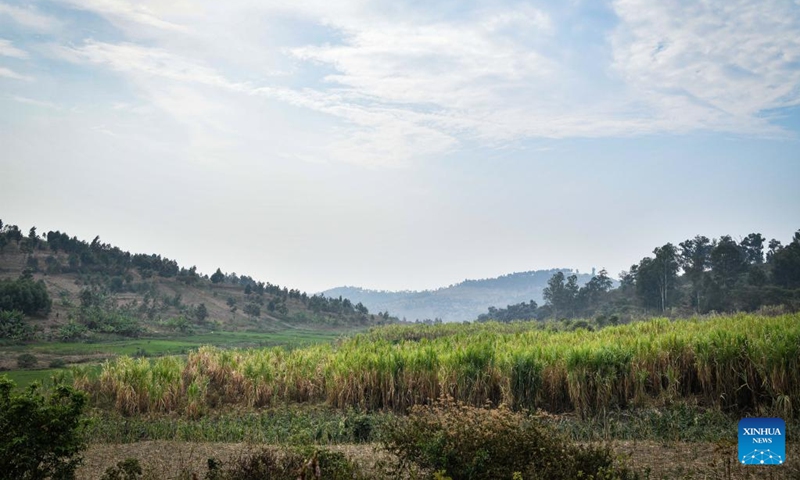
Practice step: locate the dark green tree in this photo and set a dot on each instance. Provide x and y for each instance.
(25, 295)
(560, 294)
(786, 264)
(218, 276)
(753, 248)
(774, 246)
(695, 258)
(728, 261)
(201, 313)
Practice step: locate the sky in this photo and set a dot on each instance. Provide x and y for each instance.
(400, 144)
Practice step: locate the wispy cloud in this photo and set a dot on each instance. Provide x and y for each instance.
(715, 65)
(8, 73)
(400, 83)
(9, 50)
(28, 17)
(126, 13)
(34, 102)
(139, 60)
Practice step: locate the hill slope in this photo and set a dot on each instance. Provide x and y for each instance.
(459, 302)
(99, 290)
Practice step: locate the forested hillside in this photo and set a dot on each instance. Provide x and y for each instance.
(57, 287)
(699, 275)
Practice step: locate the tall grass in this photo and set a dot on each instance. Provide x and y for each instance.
(736, 363)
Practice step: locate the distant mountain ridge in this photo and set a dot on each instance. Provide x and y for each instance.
(459, 302)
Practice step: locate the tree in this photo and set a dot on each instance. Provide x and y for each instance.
(753, 248)
(694, 259)
(561, 295)
(218, 276)
(667, 261)
(656, 278)
(786, 264)
(252, 309)
(590, 295)
(26, 295)
(728, 261)
(201, 313)
(647, 289)
(40, 436)
(774, 247)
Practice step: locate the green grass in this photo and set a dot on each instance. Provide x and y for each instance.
(737, 363)
(157, 347)
(23, 378)
(182, 344)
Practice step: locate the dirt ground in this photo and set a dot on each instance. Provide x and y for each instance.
(684, 461)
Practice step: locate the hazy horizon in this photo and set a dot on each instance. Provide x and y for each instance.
(400, 146)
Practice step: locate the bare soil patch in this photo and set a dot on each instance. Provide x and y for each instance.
(673, 460)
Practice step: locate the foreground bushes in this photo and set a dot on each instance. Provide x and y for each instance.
(40, 436)
(471, 443)
(291, 465)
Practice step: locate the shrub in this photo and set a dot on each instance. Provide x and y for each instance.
(128, 469)
(291, 465)
(40, 436)
(470, 443)
(13, 326)
(26, 295)
(27, 360)
(72, 332)
(57, 363)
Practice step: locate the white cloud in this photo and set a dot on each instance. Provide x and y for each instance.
(397, 83)
(128, 14)
(9, 50)
(135, 59)
(29, 17)
(34, 102)
(714, 64)
(8, 73)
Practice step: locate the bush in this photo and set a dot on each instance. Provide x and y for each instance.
(128, 469)
(72, 332)
(57, 363)
(13, 326)
(40, 436)
(470, 443)
(26, 295)
(27, 360)
(295, 464)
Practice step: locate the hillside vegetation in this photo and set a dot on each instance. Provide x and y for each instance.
(698, 276)
(54, 287)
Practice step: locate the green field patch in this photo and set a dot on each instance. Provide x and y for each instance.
(23, 378)
(183, 344)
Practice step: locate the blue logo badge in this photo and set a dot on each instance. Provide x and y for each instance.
(762, 441)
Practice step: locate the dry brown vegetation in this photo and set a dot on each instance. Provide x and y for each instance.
(673, 460)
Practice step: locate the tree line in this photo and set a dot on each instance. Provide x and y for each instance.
(699, 275)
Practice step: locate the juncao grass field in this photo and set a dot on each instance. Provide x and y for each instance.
(665, 395)
(737, 364)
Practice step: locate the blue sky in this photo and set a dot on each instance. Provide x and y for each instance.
(400, 144)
